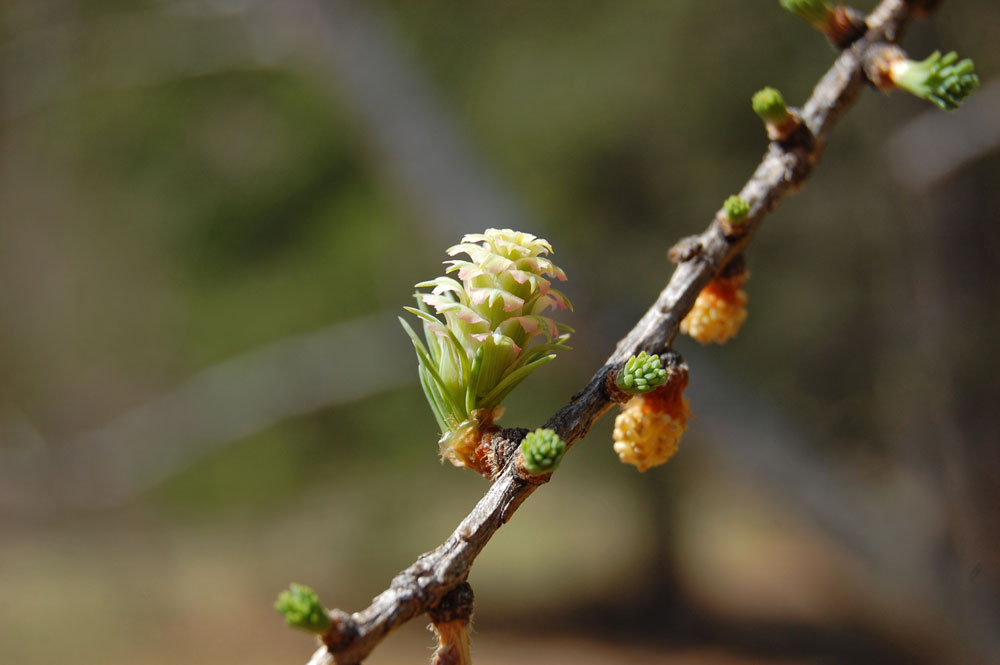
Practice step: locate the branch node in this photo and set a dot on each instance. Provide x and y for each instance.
(736, 267)
(841, 25)
(451, 618)
(733, 217)
(495, 449)
(783, 124)
(793, 134)
(943, 80)
(669, 361)
(846, 26)
(877, 64)
(686, 249)
(342, 631)
(456, 605)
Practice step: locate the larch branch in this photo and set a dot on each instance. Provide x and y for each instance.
(782, 171)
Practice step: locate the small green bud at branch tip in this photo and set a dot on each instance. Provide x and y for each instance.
(736, 209)
(542, 450)
(769, 104)
(641, 374)
(938, 79)
(301, 608)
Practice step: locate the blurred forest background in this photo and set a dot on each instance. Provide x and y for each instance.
(211, 212)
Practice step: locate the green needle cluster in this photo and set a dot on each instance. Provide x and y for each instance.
(301, 608)
(938, 79)
(542, 451)
(816, 12)
(769, 104)
(736, 209)
(641, 374)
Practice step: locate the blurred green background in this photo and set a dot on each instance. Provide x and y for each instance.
(211, 212)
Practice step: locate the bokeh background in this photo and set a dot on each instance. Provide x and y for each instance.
(211, 212)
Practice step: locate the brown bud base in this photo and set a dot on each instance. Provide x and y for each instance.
(527, 476)
(615, 393)
(462, 446)
(342, 631)
(844, 26)
(455, 606)
(668, 398)
(791, 131)
(494, 448)
(730, 228)
(878, 65)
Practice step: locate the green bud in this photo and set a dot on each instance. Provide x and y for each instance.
(542, 451)
(641, 374)
(816, 12)
(736, 209)
(301, 608)
(770, 106)
(938, 79)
